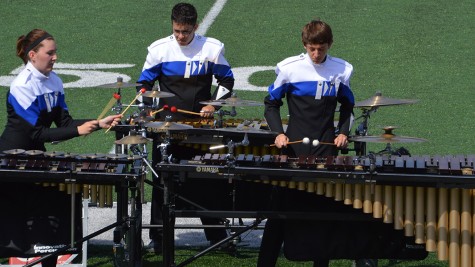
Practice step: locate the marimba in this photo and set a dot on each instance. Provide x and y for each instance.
(430, 198)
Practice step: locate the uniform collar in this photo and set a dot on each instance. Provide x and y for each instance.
(195, 36)
(36, 73)
(318, 65)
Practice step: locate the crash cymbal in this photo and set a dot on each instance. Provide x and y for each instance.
(232, 102)
(387, 137)
(379, 100)
(119, 85)
(14, 151)
(160, 126)
(158, 94)
(133, 140)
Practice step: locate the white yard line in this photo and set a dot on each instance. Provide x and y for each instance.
(210, 17)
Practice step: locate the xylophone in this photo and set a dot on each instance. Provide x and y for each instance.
(430, 198)
(93, 174)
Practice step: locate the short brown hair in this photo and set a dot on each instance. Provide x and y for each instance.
(317, 32)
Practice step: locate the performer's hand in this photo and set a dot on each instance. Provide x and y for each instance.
(88, 127)
(110, 121)
(341, 141)
(207, 111)
(281, 141)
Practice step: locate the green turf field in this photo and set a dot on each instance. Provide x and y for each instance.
(421, 50)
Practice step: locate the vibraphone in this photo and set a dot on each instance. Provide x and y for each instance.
(93, 175)
(430, 198)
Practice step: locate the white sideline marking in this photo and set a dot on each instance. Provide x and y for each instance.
(210, 17)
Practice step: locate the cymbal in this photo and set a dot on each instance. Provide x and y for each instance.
(246, 129)
(119, 85)
(158, 94)
(379, 100)
(387, 137)
(160, 126)
(232, 102)
(133, 140)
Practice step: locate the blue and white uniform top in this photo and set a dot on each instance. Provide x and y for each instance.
(34, 102)
(313, 92)
(188, 71)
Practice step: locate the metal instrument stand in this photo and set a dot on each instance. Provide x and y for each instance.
(218, 123)
(127, 248)
(169, 215)
(362, 130)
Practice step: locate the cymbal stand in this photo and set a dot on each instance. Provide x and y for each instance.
(387, 150)
(230, 162)
(362, 130)
(221, 113)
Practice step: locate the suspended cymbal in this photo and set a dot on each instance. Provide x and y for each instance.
(387, 137)
(379, 100)
(133, 140)
(160, 126)
(158, 94)
(232, 102)
(119, 85)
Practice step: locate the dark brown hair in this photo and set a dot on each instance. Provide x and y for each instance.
(184, 13)
(31, 42)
